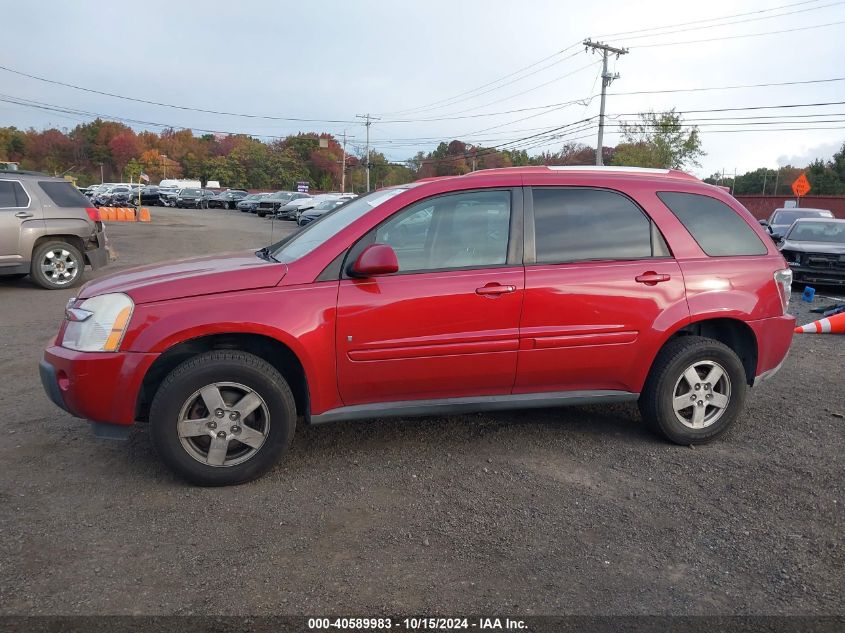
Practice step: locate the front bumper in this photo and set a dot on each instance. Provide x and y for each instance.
(831, 277)
(100, 387)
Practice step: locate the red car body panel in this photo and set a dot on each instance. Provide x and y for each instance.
(589, 325)
(222, 273)
(578, 326)
(393, 342)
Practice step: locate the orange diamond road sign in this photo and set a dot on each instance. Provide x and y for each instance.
(801, 186)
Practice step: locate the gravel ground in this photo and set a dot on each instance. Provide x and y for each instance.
(570, 511)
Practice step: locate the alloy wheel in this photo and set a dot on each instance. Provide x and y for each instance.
(223, 424)
(701, 395)
(60, 266)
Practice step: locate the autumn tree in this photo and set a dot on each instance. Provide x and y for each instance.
(659, 140)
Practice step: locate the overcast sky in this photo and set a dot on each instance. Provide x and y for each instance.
(335, 60)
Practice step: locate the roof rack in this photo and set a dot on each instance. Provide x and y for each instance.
(25, 172)
(671, 173)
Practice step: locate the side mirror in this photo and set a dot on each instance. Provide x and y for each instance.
(763, 223)
(376, 259)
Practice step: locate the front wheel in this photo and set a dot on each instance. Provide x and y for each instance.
(222, 418)
(695, 390)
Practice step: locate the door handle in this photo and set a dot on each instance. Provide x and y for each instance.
(651, 278)
(494, 289)
(23, 214)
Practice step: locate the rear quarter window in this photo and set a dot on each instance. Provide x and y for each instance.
(12, 195)
(63, 194)
(718, 229)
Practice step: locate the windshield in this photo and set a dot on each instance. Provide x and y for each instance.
(788, 217)
(281, 196)
(327, 204)
(804, 231)
(329, 225)
(190, 192)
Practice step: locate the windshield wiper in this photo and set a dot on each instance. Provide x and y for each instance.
(266, 255)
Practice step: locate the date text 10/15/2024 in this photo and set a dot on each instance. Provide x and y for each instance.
(417, 623)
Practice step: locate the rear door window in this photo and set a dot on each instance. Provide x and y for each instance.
(12, 195)
(575, 224)
(718, 229)
(63, 194)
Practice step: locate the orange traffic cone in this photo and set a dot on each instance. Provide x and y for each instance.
(144, 215)
(834, 324)
(130, 214)
(107, 213)
(120, 213)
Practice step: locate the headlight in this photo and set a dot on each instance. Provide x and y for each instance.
(98, 324)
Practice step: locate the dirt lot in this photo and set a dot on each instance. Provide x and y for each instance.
(576, 510)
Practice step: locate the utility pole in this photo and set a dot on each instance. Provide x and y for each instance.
(368, 122)
(606, 80)
(343, 165)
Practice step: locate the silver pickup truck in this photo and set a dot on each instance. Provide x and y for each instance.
(48, 230)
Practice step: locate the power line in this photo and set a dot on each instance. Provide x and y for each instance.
(436, 104)
(724, 17)
(744, 108)
(737, 37)
(757, 19)
(170, 105)
(766, 85)
(452, 115)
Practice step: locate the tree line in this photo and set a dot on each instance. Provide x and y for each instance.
(112, 151)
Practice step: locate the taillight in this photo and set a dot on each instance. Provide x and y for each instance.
(783, 280)
(93, 213)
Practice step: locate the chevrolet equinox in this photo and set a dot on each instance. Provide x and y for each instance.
(500, 289)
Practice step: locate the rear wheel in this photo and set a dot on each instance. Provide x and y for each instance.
(57, 265)
(695, 391)
(222, 418)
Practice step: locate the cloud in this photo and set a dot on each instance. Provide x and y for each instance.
(824, 151)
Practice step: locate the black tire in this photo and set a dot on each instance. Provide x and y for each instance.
(260, 214)
(40, 254)
(659, 392)
(222, 366)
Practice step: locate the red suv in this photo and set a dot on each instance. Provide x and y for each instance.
(500, 289)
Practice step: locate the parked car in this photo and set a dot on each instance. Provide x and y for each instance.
(517, 288)
(227, 199)
(193, 198)
(124, 197)
(151, 195)
(293, 209)
(93, 190)
(250, 202)
(48, 230)
(814, 248)
(273, 202)
(167, 196)
(106, 196)
(306, 217)
(169, 189)
(781, 219)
